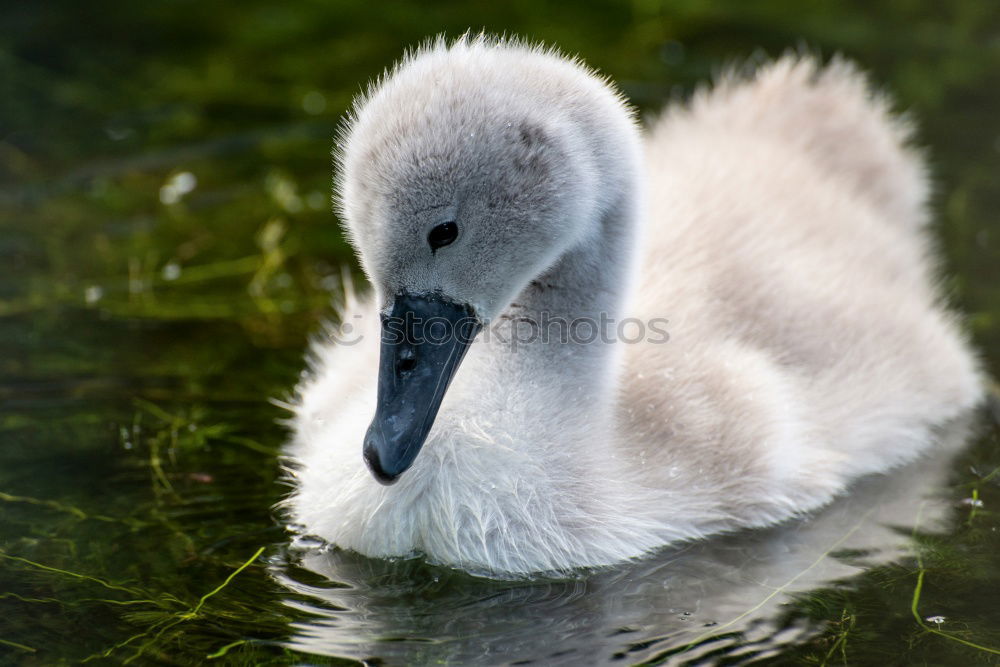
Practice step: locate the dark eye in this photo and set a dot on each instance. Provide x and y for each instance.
(442, 235)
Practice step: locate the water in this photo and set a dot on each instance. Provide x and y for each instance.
(166, 250)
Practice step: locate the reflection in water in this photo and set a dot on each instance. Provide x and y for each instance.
(718, 596)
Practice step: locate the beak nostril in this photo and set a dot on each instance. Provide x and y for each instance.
(406, 360)
(416, 365)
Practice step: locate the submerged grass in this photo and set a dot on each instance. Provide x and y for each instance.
(846, 627)
(918, 590)
(21, 647)
(169, 620)
(164, 618)
(74, 575)
(166, 443)
(69, 509)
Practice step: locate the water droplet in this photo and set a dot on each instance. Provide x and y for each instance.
(177, 186)
(307, 542)
(171, 271)
(93, 294)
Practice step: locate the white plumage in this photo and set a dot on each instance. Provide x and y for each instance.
(775, 222)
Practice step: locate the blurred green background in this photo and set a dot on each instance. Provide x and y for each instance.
(167, 247)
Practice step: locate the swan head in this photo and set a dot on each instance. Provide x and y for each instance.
(465, 173)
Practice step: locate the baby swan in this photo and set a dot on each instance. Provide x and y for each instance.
(773, 227)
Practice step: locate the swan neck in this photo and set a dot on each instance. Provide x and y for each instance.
(594, 278)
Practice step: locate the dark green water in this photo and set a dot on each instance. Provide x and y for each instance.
(147, 317)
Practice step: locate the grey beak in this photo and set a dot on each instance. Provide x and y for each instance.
(424, 339)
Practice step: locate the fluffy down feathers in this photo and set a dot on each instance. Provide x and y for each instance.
(776, 222)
